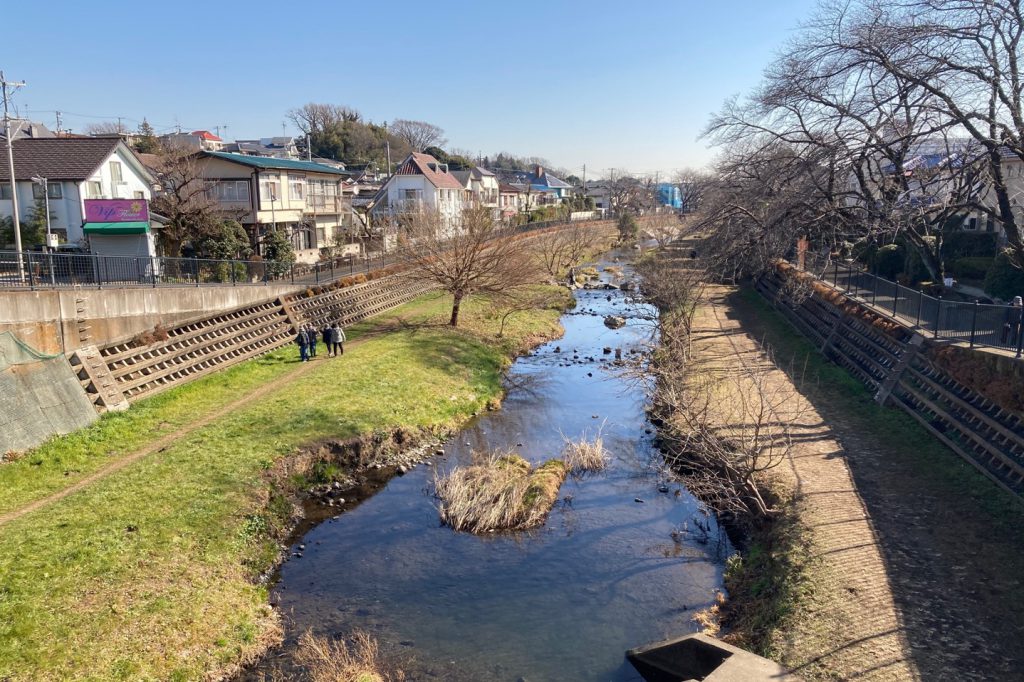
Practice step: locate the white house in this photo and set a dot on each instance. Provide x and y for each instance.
(482, 187)
(76, 170)
(421, 183)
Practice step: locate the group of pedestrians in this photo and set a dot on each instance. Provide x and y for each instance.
(333, 336)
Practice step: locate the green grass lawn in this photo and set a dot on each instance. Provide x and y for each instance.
(146, 574)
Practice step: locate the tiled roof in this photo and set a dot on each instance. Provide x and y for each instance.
(275, 163)
(420, 164)
(59, 158)
(463, 177)
(206, 135)
(502, 187)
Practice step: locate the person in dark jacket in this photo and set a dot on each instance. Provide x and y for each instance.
(1011, 323)
(311, 339)
(302, 341)
(325, 332)
(331, 339)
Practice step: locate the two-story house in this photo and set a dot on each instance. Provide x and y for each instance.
(77, 170)
(421, 184)
(482, 187)
(303, 199)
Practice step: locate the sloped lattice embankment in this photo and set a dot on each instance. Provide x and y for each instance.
(988, 436)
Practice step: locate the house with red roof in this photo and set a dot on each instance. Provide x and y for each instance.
(202, 140)
(421, 183)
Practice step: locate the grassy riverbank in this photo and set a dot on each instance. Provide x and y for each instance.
(147, 573)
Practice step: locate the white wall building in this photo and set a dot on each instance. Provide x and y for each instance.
(77, 169)
(421, 183)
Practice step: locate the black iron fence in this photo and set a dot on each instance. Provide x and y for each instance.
(50, 270)
(976, 323)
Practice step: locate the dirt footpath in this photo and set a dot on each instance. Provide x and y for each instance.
(853, 628)
(920, 571)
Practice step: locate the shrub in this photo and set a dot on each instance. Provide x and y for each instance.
(628, 228)
(957, 245)
(1004, 279)
(889, 260)
(359, 279)
(972, 267)
(347, 281)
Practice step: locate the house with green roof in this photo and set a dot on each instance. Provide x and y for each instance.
(303, 199)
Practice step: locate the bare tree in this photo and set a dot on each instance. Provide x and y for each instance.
(663, 227)
(563, 249)
(182, 198)
(105, 128)
(479, 256)
(418, 134)
(314, 118)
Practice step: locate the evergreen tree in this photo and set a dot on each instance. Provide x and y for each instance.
(33, 230)
(278, 252)
(146, 141)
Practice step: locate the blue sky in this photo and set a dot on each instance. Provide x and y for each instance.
(625, 85)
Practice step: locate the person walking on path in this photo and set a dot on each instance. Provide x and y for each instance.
(338, 336)
(325, 332)
(330, 340)
(311, 339)
(1011, 323)
(302, 341)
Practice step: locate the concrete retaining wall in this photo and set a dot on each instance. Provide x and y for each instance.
(40, 396)
(65, 320)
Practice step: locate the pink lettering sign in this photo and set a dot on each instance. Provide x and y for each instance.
(116, 211)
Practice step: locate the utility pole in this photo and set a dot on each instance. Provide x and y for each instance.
(120, 128)
(584, 179)
(309, 150)
(5, 84)
(387, 143)
(58, 123)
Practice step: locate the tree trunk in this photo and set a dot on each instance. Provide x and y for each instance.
(454, 322)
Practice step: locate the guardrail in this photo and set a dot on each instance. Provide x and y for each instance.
(54, 270)
(978, 324)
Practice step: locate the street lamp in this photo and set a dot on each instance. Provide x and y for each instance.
(46, 197)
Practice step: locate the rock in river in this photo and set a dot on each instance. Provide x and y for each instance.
(614, 322)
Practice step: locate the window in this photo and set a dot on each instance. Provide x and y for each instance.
(412, 195)
(138, 195)
(93, 189)
(5, 191)
(230, 190)
(53, 190)
(295, 187)
(270, 190)
(115, 172)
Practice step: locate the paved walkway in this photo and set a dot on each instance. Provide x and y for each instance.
(851, 627)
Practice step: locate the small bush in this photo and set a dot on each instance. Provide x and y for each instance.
(973, 267)
(1004, 279)
(359, 279)
(957, 245)
(347, 281)
(889, 260)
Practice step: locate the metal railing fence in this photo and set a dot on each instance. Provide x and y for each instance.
(55, 270)
(976, 323)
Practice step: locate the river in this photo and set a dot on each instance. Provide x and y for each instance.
(563, 602)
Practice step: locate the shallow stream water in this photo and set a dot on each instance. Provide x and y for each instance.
(562, 602)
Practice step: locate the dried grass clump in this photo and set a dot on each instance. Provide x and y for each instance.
(357, 660)
(582, 456)
(499, 491)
